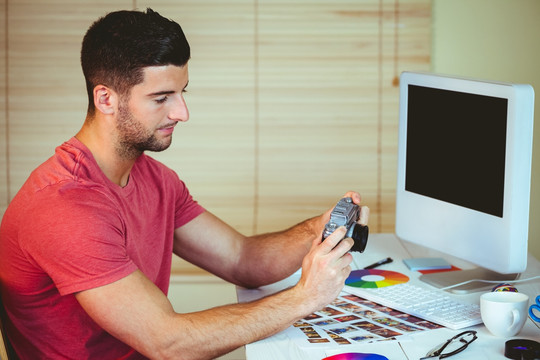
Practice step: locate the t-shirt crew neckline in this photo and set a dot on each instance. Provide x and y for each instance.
(125, 190)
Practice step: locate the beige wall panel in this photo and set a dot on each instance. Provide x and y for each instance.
(387, 215)
(47, 96)
(318, 107)
(328, 106)
(4, 180)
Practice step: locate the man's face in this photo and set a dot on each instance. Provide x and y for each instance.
(147, 119)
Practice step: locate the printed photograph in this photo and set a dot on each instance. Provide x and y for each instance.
(329, 311)
(347, 318)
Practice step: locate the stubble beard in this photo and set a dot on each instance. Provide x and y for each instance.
(134, 138)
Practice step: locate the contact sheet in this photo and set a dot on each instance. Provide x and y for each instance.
(351, 319)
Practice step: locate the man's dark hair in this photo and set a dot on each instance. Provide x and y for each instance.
(119, 45)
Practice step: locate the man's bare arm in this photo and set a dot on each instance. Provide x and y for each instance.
(134, 310)
(250, 261)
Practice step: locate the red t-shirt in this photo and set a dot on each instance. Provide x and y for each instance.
(71, 229)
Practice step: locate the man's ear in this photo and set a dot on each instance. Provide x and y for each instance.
(105, 100)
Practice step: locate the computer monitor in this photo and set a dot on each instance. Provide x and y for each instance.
(464, 172)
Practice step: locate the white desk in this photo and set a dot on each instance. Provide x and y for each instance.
(381, 246)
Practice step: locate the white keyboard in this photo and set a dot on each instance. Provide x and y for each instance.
(428, 304)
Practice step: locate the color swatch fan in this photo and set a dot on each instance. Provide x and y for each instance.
(373, 278)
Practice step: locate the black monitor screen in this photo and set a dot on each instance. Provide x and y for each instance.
(456, 146)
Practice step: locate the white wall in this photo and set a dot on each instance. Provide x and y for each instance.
(495, 40)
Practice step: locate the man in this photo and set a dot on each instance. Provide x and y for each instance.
(87, 242)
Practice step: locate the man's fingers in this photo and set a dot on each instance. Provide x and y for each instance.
(346, 271)
(364, 210)
(338, 245)
(333, 239)
(356, 198)
(364, 215)
(344, 246)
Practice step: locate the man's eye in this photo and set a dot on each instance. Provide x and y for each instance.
(161, 100)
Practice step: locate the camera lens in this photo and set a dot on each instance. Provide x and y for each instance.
(359, 235)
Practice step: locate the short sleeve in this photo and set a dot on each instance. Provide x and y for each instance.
(77, 237)
(186, 207)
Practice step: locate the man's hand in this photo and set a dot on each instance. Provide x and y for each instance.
(324, 269)
(327, 265)
(364, 210)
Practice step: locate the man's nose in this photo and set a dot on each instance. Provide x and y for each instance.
(179, 110)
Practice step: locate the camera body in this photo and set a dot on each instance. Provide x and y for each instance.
(346, 213)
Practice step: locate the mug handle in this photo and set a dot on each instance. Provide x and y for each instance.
(516, 320)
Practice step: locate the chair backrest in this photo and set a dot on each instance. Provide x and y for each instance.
(6, 352)
(3, 347)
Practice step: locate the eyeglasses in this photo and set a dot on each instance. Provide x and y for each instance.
(452, 346)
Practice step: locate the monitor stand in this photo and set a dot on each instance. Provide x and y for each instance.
(449, 278)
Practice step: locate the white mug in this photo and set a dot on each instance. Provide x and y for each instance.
(504, 312)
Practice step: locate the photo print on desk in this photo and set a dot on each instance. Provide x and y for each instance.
(351, 319)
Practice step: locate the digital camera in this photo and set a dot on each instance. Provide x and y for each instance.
(346, 213)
